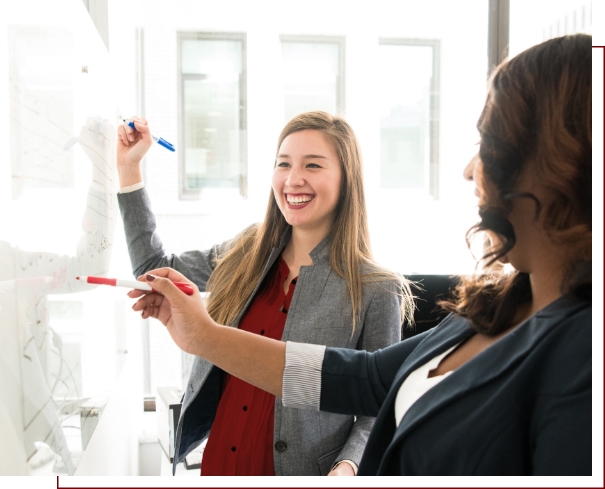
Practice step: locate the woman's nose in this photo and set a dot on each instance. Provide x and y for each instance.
(295, 178)
(468, 170)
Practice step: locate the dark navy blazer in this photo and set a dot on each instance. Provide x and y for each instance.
(523, 406)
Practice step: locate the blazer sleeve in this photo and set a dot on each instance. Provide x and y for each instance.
(358, 382)
(145, 246)
(381, 328)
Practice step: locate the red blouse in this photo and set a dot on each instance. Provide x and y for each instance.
(241, 438)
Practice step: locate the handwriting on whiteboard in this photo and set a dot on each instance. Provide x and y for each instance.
(41, 107)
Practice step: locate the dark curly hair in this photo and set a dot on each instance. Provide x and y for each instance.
(538, 113)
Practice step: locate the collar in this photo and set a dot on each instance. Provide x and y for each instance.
(320, 254)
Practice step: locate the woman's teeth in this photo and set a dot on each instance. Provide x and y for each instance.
(298, 200)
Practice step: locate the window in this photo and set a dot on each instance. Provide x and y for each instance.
(213, 112)
(408, 98)
(537, 21)
(313, 74)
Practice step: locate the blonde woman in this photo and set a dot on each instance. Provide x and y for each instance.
(305, 274)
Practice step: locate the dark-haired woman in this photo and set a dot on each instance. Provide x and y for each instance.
(503, 385)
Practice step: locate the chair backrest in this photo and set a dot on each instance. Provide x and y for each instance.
(428, 290)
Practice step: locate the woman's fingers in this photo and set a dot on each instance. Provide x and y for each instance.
(123, 135)
(153, 305)
(141, 126)
(163, 314)
(148, 300)
(134, 293)
(129, 130)
(166, 272)
(166, 299)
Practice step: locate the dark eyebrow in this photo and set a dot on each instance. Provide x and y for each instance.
(314, 157)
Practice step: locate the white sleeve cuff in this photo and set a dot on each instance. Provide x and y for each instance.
(302, 375)
(131, 188)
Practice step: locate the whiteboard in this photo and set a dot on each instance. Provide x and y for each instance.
(61, 342)
(41, 106)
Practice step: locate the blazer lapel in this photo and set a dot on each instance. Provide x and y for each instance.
(452, 330)
(310, 286)
(275, 252)
(486, 366)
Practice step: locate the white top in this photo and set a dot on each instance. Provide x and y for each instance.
(417, 384)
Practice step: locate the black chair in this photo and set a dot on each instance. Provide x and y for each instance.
(428, 290)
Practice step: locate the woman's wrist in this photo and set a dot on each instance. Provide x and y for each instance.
(209, 333)
(129, 176)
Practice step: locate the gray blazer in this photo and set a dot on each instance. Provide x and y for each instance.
(306, 442)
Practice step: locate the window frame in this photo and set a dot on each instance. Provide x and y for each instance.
(340, 41)
(195, 194)
(434, 103)
(498, 33)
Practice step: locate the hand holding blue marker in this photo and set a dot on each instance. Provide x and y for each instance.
(160, 141)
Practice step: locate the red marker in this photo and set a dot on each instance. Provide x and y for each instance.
(132, 284)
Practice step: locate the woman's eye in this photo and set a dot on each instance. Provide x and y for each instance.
(283, 164)
(313, 165)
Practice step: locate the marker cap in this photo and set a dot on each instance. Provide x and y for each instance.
(166, 144)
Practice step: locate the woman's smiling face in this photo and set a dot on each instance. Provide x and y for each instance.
(306, 180)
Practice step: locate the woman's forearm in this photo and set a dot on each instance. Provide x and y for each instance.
(129, 176)
(255, 359)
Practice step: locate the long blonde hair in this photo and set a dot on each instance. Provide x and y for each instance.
(239, 269)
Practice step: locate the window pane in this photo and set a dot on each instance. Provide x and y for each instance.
(211, 57)
(211, 133)
(404, 97)
(212, 93)
(540, 20)
(311, 77)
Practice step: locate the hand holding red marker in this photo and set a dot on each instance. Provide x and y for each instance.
(133, 284)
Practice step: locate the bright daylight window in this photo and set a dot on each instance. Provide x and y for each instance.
(213, 88)
(313, 74)
(557, 18)
(409, 108)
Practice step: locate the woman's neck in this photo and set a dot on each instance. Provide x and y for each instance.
(546, 280)
(302, 242)
(545, 288)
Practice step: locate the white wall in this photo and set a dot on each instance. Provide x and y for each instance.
(406, 227)
(114, 446)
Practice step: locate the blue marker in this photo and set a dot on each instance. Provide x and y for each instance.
(160, 141)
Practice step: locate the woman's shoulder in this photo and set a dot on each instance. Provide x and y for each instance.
(572, 323)
(376, 278)
(564, 350)
(374, 272)
(248, 234)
